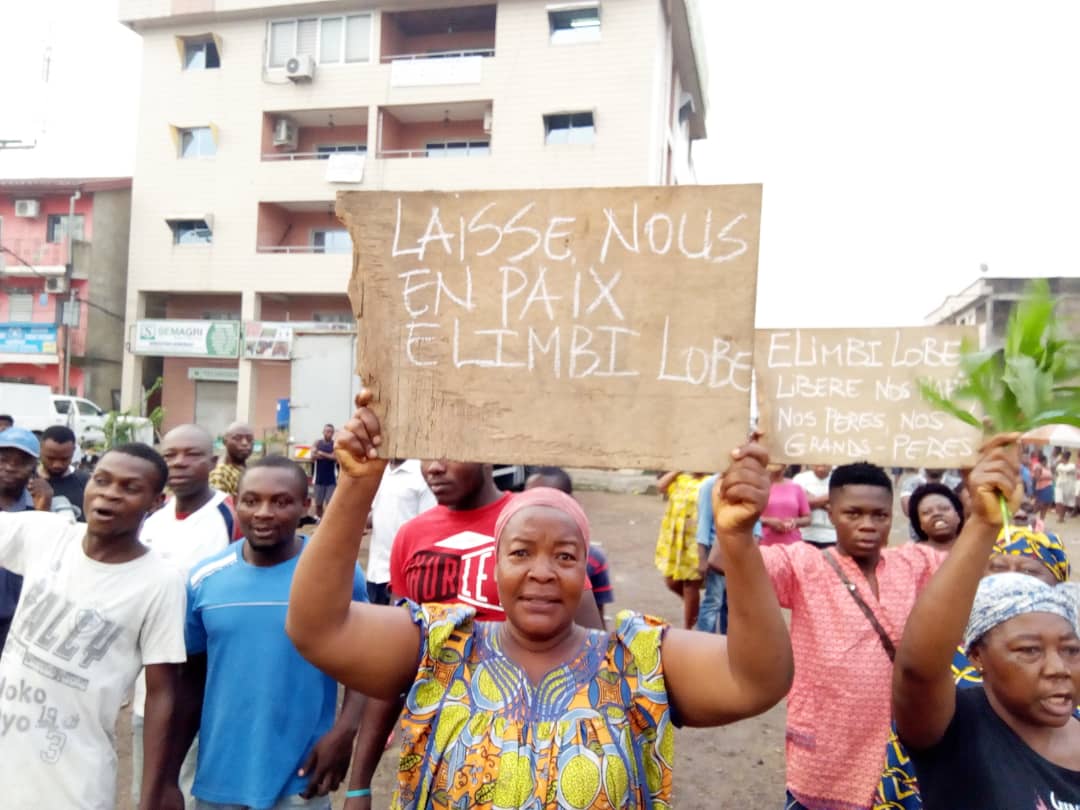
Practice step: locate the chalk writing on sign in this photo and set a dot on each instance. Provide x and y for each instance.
(831, 396)
(606, 327)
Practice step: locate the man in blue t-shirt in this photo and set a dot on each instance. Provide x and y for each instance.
(268, 737)
(325, 469)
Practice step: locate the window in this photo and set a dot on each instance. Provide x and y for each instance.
(331, 241)
(333, 317)
(87, 408)
(201, 54)
(56, 227)
(62, 405)
(197, 142)
(331, 40)
(569, 128)
(458, 149)
(580, 24)
(20, 305)
(191, 232)
(324, 151)
(221, 315)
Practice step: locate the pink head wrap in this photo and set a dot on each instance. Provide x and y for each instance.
(543, 496)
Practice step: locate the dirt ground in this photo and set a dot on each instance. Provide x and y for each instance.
(734, 767)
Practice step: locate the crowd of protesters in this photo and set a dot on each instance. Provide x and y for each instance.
(266, 670)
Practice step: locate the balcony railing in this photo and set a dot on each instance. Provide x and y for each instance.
(487, 52)
(307, 155)
(442, 154)
(303, 249)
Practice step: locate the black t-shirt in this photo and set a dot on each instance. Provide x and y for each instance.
(325, 468)
(981, 764)
(73, 487)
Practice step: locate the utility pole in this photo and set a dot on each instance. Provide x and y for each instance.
(68, 313)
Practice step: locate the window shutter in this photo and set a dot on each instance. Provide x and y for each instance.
(306, 34)
(282, 39)
(358, 38)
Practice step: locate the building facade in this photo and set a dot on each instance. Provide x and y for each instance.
(51, 285)
(987, 304)
(255, 113)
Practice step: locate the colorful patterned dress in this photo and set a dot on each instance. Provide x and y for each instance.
(676, 548)
(477, 735)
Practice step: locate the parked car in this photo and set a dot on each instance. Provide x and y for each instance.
(36, 407)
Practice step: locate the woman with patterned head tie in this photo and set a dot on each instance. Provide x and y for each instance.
(1014, 740)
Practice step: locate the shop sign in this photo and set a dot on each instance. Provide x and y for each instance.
(180, 338)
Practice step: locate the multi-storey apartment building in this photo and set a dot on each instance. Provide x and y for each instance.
(254, 113)
(988, 303)
(63, 272)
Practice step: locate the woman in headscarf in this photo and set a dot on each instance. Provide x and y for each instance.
(537, 712)
(1013, 741)
(1018, 550)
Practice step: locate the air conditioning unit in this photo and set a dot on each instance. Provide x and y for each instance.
(286, 133)
(487, 121)
(57, 285)
(300, 68)
(27, 208)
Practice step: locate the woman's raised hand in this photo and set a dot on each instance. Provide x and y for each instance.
(356, 445)
(742, 493)
(996, 474)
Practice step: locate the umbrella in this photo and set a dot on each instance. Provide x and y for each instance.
(1054, 435)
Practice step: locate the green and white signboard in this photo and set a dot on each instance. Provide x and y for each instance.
(179, 338)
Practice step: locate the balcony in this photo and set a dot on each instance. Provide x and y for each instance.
(310, 154)
(443, 46)
(446, 131)
(33, 257)
(301, 228)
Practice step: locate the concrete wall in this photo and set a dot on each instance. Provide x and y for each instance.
(107, 287)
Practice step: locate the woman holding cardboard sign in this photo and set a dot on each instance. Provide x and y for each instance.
(538, 711)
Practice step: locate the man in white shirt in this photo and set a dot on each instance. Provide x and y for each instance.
(195, 523)
(815, 482)
(403, 494)
(96, 607)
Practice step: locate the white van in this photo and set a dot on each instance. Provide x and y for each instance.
(36, 407)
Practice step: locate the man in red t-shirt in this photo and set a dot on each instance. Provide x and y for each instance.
(446, 554)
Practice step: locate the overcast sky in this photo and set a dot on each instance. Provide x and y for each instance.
(901, 146)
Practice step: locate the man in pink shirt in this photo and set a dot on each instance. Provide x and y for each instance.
(838, 707)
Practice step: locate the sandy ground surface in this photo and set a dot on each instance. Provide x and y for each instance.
(738, 766)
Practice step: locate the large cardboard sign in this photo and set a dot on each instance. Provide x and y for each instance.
(580, 327)
(833, 396)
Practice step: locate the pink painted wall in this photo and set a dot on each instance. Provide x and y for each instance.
(178, 392)
(45, 375)
(417, 136)
(274, 226)
(310, 137)
(26, 236)
(303, 308)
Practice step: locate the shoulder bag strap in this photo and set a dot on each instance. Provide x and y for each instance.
(886, 642)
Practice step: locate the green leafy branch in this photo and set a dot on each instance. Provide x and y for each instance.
(1031, 381)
